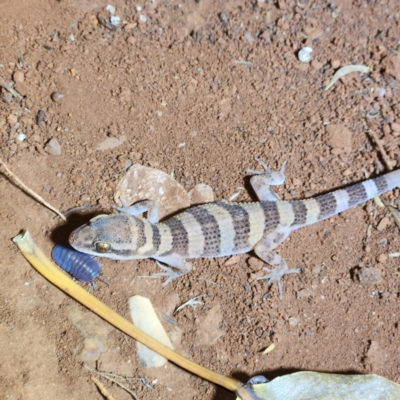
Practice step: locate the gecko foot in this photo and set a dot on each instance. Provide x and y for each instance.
(277, 175)
(169, 273)
(276, 275)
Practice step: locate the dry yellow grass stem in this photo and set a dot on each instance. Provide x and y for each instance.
(29, 191)
(51, 272)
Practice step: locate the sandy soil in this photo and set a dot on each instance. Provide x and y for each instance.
(200, 88)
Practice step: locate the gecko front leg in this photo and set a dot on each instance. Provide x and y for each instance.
(149, 206)
(262, 181)
(181, 268)
(264, 250)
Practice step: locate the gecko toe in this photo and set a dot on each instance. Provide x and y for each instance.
(276, 275)
(169, 273)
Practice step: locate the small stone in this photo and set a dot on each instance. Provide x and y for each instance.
(18, 76)
(53, 147)
(233, 260)
(115, 20)
(347, 172)
(316, 34)
(370, 276)
(201, 194)
(382, 258)
(110, 9)
(22, 88)
(391, 65)
(57, 97)
(129, 26)
(256, 264)
(135, 155)
(224, 17)
(131, 40)
(316, 65)
(384, 222)
(282, 4)
(12, 119)
(110, 143)
(395, 127)
(335, 64)
(141, 183)
(309, 29)
(377, 357)
(293, 321)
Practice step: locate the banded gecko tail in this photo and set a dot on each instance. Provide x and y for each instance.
(333, 203)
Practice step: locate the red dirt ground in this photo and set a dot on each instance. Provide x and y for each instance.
(223, 78)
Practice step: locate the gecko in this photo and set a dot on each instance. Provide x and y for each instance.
(222, 228)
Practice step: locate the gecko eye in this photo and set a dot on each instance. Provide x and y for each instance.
(102, 247)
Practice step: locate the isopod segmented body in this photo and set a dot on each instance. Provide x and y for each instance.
(80, 265)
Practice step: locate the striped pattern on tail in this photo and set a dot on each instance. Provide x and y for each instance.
(313, 210)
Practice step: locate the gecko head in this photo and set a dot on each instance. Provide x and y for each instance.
(116, 236)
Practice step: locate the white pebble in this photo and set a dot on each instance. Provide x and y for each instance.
(26, 283)
(110, 9)
(305, 54)
(249, 37)
(138, 8)
(71, 38)
(143, 18)
(381, 92)
(115, 20)
(21, 137)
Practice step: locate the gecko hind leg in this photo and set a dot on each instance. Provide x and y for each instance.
(264, 250)
(180, 268)
(262, 180)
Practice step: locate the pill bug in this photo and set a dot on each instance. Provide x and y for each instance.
(80, 265)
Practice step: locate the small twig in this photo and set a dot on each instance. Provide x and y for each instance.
(106, 376)
(30, 191)
(10, 89)
(384, 155)
(81, 208)
(102, 389)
